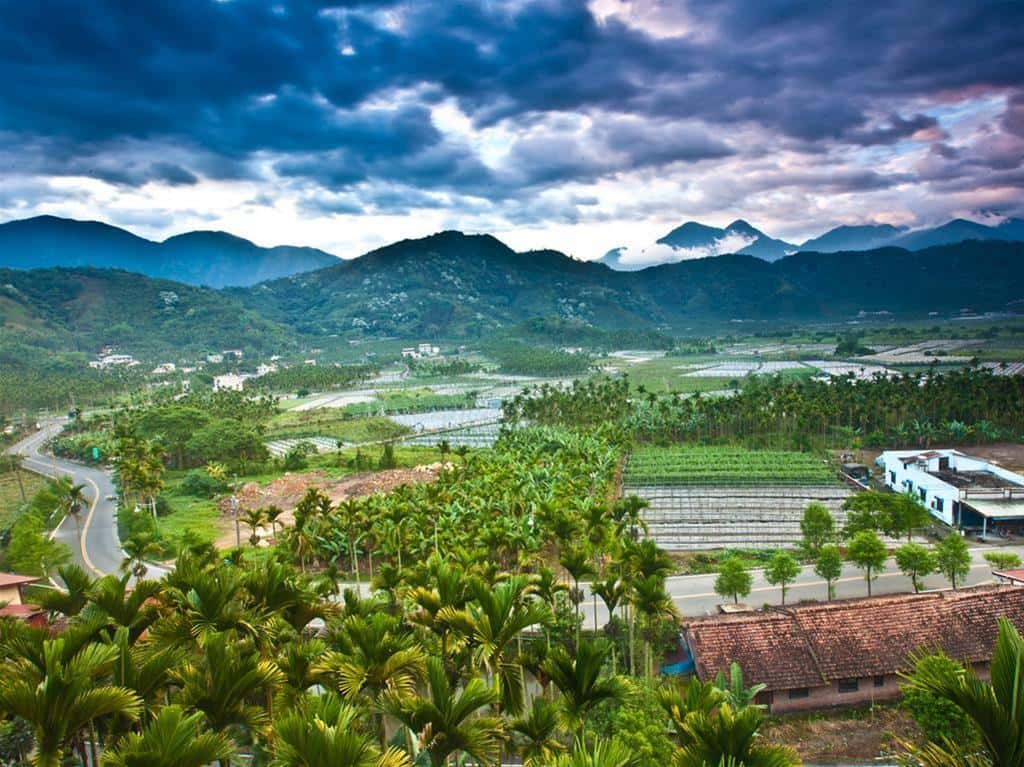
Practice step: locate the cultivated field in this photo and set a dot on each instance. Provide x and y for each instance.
(714, 498)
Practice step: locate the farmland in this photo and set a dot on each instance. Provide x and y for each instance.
(721, 497)
(717, 465)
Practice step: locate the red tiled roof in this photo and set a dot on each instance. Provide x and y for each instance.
(11, 579)
(20, 611)
(1013, 575)
(811, 645)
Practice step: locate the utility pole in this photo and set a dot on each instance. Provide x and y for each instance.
(238, 528)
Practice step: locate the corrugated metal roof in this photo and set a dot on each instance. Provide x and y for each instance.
(997, 509)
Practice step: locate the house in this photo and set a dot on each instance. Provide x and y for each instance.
(960, 490)
(229, 382)
(265, 369)
(113, 360)
(850, 652)
(164, 368)
(12, 599)
(428, 350)
(410, 352)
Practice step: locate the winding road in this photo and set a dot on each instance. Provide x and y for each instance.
(99, 550)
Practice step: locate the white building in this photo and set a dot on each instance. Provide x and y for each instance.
(215, 359)
(228, 382)
(428, 350)
(164, 368)
(264, 369)
(113, 360)
(962, 491)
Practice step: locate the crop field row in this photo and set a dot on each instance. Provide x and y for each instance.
(724, 465)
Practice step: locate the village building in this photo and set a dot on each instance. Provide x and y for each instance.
(229, 382)
(113, 360)
(962, 491)
(850, 652)
(164, 368)
(12, 599)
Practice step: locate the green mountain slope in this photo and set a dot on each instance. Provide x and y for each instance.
(85, 309)
(460, 285)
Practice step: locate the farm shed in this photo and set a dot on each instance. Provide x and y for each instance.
(843, 653)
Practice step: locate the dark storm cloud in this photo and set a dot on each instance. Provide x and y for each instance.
(338, 93)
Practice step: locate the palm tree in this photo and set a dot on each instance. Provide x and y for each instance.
(578, 679)
(323, 731)
(376, 655)
(71, 502)
(576, 562)
(111, 601)
(253, 519)
(730, 737)
(138, 549)
(70, 600)
(222, 682)
(272, 513)
(652, 601)
(994, 708)
(58, 692)
(172, 739)
(539, 731)
(491, 623)
(602, 753)
(446, 720)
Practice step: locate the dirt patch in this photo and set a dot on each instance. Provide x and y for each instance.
(286, 492)
(844, 736)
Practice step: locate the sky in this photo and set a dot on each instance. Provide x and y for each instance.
(580, 126)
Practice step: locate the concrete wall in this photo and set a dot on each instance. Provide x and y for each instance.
(10, 594)
(933, 486)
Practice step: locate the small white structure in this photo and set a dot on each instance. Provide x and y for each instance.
(215, 359)
(164, 368)
(113, 360)
(229, 382)
(410, 353)
(428, 350)
(236, 353)
(962, 491)
(263, 370)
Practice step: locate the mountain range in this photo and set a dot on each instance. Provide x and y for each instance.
(213, 259)
(696, 240)
(453, 285)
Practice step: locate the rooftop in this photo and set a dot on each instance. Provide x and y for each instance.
(812, 645)
(966, 480)
(12, 579)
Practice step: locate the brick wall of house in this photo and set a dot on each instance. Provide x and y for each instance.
(829, 696)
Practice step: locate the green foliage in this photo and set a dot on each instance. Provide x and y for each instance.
(781, 571)
(953, 559)
(523, 359)
(640, 723)
(201, 484)
(715, 465)
(868, 553)
(559, 331)
(937, 717)
(311, 378)
(801, 414)
(915, 561)
(1002, 560)
(733, 580)
(817, 527)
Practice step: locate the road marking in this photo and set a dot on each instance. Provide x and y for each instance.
(47, 471)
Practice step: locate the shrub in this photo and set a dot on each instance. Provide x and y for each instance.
(200, 484)
(937, 718)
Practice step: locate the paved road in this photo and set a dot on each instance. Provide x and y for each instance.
(695, 594)
(99, 551)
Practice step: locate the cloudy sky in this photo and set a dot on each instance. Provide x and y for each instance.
(348, 124)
